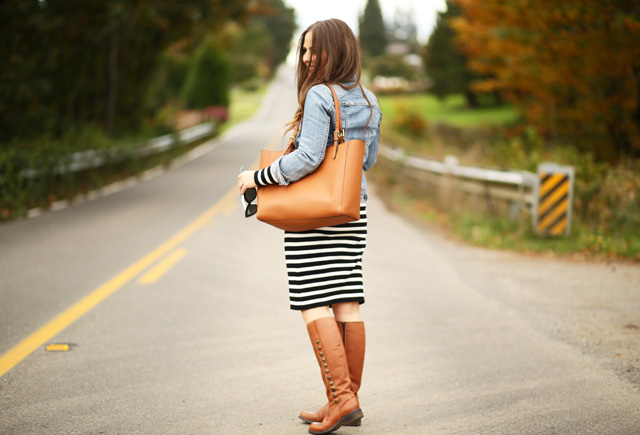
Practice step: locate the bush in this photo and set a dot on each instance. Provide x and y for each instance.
(606, 196)
(35, 173)
(208, 80)
(410, 122)
(166, 82)
(615, 204)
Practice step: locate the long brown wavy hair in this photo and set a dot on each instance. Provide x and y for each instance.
(337, 53)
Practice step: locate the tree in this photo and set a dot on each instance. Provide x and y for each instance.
(444, 63)
(265, 43)
(573, 68)
(373, 40)
(404, 30)
(69, 62)
(249, 47)
(209, 78)
(280, 24)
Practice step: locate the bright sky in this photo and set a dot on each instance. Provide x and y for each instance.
(310, 11)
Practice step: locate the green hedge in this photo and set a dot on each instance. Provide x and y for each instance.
(208, 80)
(36, 173)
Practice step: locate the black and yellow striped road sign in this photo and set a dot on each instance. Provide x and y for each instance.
(552, 214)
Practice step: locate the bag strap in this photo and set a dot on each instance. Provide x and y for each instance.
(338, 134)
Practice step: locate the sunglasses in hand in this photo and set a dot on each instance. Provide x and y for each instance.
(249, 196)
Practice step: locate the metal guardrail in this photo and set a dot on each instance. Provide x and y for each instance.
(513, 186)
(96, 158)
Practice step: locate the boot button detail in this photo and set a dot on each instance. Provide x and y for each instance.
(331, 383)
(335, 395)
(317, 341)
(319, 347)
(335, 400)
(329, 378)
(333, 390)
(321, 354)
(325, 365)
(324, 359)
(326, 371)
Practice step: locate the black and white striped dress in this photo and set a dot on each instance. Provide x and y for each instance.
(324, 265)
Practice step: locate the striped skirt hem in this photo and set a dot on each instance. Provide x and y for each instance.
(324, 265)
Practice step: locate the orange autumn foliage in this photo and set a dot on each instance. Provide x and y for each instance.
(573, 68)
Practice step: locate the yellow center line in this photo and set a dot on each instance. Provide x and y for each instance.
(23, 349)
(13, 356)
(163, 267)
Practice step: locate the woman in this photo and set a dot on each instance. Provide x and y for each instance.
(324, 266)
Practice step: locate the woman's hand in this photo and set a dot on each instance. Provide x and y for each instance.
(246, 181)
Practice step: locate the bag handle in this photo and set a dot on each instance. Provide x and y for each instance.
(338, 134)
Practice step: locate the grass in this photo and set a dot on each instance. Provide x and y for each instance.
(425, 126)
(43, 191)
(494, 231)
(581, 242)
(451, 111)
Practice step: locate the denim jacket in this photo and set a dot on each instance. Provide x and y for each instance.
(318, 125)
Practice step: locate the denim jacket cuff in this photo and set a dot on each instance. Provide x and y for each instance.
(283, 179)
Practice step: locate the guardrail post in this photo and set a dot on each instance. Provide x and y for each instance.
(447, 188)
(553, 199)
(515, 208)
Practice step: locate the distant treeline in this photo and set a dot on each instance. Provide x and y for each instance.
(572, 68)
(115, 64)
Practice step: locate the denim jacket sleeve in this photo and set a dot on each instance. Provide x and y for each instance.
(373, 135)
(312, 138)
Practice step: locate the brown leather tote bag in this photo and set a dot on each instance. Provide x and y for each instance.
(330, 195)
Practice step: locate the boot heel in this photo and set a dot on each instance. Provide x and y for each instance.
(347, 420)
(352, 418)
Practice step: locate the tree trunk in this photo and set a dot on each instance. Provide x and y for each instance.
(112, 76)
(472, 99)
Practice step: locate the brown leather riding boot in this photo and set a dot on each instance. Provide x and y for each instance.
(343, 404)
(353, 338)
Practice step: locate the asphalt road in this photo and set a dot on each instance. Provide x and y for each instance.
(175, 308)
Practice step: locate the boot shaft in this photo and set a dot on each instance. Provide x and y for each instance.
(354, 342)
(330, 354)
